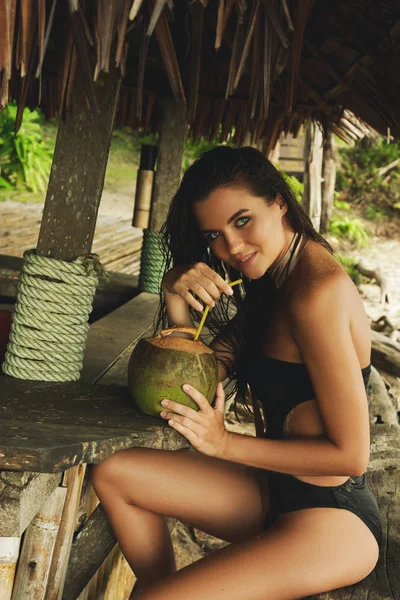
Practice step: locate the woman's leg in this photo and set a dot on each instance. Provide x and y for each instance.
(304, 553)
(137, 487)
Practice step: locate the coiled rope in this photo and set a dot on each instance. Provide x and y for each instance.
(151, 262)
(50, 321)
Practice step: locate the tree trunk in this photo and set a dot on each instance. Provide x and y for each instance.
(329, 180)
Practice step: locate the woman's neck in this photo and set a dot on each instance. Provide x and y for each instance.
(280, 271)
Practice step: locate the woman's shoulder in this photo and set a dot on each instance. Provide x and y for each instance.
(320, 284)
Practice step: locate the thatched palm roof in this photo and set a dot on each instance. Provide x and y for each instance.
(254, 67)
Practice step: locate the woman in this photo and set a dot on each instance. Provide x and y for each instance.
(294, 504)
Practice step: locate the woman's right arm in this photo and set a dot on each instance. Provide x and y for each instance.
(178, 287)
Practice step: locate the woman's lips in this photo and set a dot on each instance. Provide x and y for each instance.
(247, 261)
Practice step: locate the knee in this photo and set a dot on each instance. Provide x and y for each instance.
(109, 472)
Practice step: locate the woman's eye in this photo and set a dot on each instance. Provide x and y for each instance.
(213, 235)
(242, 221)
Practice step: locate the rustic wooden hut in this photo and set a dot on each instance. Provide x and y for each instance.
(233, 70)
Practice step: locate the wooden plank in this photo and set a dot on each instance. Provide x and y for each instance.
(21, 496)
(48, 427)
(111, 335)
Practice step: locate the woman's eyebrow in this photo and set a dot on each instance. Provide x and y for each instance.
(232, 218)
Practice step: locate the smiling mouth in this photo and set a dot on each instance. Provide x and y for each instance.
(247, 258)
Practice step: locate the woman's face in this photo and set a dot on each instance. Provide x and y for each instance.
(243, 230)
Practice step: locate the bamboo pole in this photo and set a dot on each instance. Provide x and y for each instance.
(90, 589)
(126, 581)
(110, 592)
(37, 549)
(9, 550)
(73, 482)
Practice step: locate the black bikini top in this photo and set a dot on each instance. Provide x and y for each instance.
(281, 386)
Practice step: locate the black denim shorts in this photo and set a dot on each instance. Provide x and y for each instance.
(288, 494)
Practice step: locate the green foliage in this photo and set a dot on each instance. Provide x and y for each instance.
(349, 265)
(341, 204)
(193, 149)
(359, 178)
(25, 158)
(295, 185)
(350, 228)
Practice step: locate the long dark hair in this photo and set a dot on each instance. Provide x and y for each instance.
(184, 244)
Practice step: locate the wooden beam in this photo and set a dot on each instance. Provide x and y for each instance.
(91, 547)
(21, 496)
(169, 161)
(77, 173)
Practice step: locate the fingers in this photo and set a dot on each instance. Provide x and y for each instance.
(219, 402)
(201, 280)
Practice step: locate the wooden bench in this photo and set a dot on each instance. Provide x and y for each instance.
(47, 429)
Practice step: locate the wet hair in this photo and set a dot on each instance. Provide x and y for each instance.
(252, 303)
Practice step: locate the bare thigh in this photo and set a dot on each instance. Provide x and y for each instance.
(221, 498)
(304, 553)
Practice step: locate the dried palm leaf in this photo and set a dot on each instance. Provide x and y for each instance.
(267, 57)
(287, 15)
(297, 44)
(7, 25)
(27, 31)
(220, 21)
(157, 10)
(84, 58)
(135, 9)
(255, 67)
(144, 45)
(197, 20)
(122, 27)
(218, 110)
(46, 39)
(269, 9)
(168, 55)
(41, 27)
(224, 11)
(252, 21)
(239, 32)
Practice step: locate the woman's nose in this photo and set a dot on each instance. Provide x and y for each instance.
(234, 244)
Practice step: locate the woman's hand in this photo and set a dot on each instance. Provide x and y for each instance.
(197, 279)
(204, 429)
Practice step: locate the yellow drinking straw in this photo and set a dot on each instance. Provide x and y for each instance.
(203, 318)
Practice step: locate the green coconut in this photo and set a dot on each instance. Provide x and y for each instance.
(160, 365)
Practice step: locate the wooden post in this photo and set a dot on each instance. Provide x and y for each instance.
(169, 161)
(37, 549)
(312, 173)
(73, 482)
(329, 180)
(77, 173)
(9, 551)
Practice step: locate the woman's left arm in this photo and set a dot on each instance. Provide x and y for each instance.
(320, 320)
